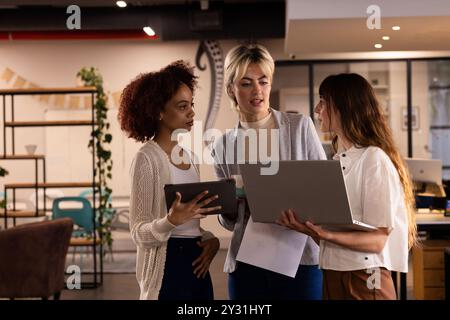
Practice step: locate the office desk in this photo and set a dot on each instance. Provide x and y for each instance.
(426, 221)
(431, 221)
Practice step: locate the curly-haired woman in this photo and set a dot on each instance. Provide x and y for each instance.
(173, 251)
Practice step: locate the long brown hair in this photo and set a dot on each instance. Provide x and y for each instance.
(364, 124)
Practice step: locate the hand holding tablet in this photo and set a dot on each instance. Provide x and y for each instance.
(224, 189)
(181, 212)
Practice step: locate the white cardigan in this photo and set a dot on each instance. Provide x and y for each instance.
(150, 228)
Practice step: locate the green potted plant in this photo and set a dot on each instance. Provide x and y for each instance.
(102, 136)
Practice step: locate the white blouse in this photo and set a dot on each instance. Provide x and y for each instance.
(191, 228)
(376, 197)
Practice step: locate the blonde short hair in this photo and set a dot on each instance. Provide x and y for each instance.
(238, 60)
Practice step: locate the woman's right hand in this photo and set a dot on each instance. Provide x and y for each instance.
(181, 212)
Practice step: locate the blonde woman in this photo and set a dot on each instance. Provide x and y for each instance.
(249, 73)
(357, 264)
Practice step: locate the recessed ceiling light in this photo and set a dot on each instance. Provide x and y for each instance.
(386, 37)
(121, 4)
(396, 28)
(378, 45)
(149, 31)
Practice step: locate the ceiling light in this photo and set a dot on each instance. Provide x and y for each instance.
(121, 4)
(204, 4)
(396, 28)
(149, 31)
(386, 38)
(378, 46)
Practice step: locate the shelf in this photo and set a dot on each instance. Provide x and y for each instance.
(22, 157)
(29, 185)
(41, 91)
(440, 127)
(84, 241)
(89, 93)
(50, 123)
(439, 87)
(22, 214)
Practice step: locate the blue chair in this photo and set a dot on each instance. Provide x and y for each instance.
(109, 213)
(82, 217)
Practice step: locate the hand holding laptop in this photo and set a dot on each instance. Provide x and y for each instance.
(289, 220)
(314, 188)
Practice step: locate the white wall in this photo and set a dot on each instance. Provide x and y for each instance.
(55, 64)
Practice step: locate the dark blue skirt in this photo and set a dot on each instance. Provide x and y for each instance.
(179, 281)
(248, 282)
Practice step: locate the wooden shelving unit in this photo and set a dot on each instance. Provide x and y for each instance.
(44, 91)
(25, 185)
(41, 183)
(22, 214)
(23, 157)
(49, 123)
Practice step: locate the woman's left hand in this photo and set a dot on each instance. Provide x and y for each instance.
(288, 219)
(209, 251)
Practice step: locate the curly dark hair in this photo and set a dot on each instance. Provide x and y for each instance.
(144, 98)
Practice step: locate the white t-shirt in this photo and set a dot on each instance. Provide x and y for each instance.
(263, 126)
(376, 197)
(191, 228)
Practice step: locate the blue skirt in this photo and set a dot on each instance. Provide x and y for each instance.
(179, 281)
(249, 282)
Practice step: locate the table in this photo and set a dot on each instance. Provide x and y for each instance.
(426, 220)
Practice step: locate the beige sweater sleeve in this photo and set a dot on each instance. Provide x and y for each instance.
(149, 227)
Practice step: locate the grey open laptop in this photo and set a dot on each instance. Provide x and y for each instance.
(314, 189)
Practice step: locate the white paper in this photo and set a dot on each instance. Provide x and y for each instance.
(272, 247)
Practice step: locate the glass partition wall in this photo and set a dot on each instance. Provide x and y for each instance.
(414, 94)
(432, 137)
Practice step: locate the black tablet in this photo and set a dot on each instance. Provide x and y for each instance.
(226, 189)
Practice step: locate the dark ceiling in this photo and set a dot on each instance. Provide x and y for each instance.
(112, 3)
(171, 19)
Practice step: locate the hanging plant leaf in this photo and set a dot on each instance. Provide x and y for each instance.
(3, 172)
(91, 77)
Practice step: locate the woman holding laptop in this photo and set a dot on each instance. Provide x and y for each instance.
(173, 251)
(358, 264)
(249, 73)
